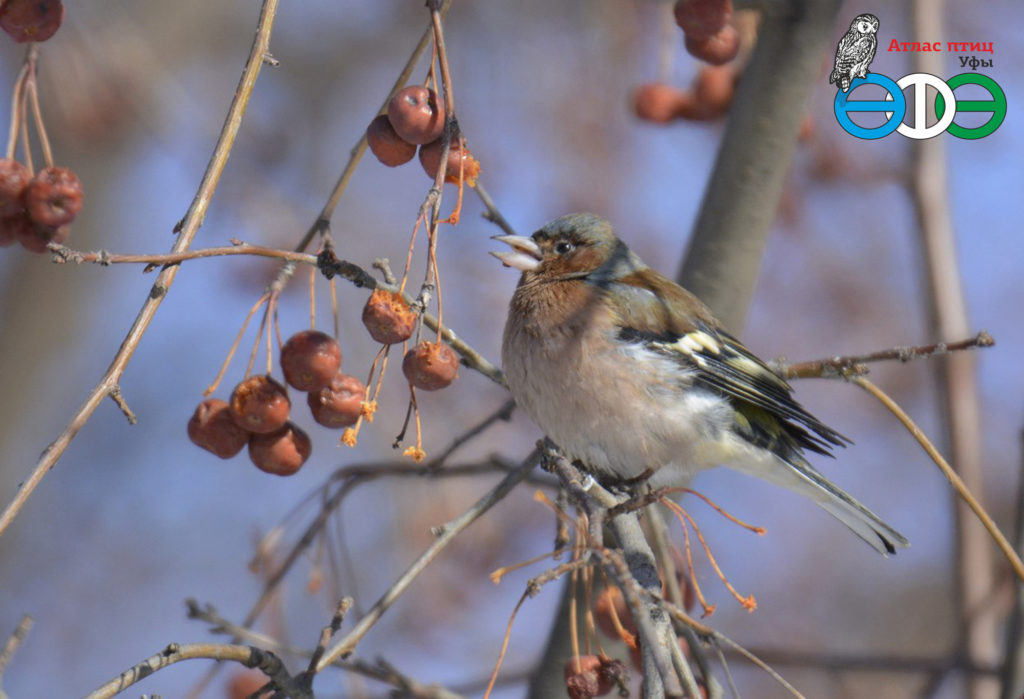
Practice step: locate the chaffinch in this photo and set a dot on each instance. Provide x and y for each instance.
(631, 375)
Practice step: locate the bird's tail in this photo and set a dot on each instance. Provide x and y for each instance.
(805, 480)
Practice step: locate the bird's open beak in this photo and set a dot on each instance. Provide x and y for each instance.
(525, 254)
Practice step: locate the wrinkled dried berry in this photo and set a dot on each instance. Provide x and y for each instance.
(310, 359)
(14, 178)
(581, 685)
(430, 159)
(388, 317)
(259, 404)
(31, 20)
(718, 49)
(702, 19)
(281, 452)
(417, 114)
(430, 366)
(213, 429)
(386, 144)
(339, 403)
(589, 678)
(54, 196)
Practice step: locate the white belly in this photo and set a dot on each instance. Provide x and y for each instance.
(667, 427)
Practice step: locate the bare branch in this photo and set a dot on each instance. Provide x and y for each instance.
(188, 228)
(248, 656)
(951, 475)
(445, 535)
(843, 367)
(742, 197)
(14, 641)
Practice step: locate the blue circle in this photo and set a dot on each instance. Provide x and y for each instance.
(898, 107)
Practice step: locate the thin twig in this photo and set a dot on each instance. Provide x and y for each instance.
(843, 367)
(189, 227)
(447, 533)
(326, 261)
(948, 472)
(503, 413)
(14, 641)
(492, 214)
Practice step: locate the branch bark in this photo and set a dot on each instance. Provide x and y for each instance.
(739, 206)
(974, 571)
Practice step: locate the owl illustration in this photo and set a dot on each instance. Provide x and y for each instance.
(855, 51)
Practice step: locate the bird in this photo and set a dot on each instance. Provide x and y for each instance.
(632, 376)
(855, 51)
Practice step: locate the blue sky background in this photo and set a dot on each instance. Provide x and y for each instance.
(135, 519)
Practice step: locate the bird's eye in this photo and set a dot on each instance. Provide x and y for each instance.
(563, 247)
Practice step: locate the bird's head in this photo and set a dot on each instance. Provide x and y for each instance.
(865, 23)
(577, 246)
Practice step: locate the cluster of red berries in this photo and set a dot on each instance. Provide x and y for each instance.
(31, 20)
(711, 38)
(428, 366)
(37, 210)
(416, 117)
(258, 410)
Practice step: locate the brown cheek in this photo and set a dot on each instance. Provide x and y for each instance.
(584, 259)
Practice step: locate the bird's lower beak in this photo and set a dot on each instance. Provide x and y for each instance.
(525, 254)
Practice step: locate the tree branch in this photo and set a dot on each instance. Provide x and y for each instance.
(188, 228)
(738, 210)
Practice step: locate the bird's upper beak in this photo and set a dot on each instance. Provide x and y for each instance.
(525, 254)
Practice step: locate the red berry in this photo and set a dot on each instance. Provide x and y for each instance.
(718, 49)
(387, 145)
(430, 159)
(609, 598)
(388, 317)
(11, 227)
(591, 675)
(213, 429)
(581, 686)
(659, 103)
(14, 178)
(702, 19)
(430, 366)
(310, 359)
(259, 404)
(339, 403)
(417, 114)
(243, 684)
(34, 237)
(54, 196)
(281, 452)
(31, 20)
(714, 92)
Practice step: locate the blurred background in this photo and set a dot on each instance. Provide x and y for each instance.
(134, 519)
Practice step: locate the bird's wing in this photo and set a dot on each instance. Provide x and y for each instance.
(766, 413)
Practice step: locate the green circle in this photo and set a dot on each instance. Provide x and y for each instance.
(996, 105)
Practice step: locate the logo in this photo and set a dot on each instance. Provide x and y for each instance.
(854, 54)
